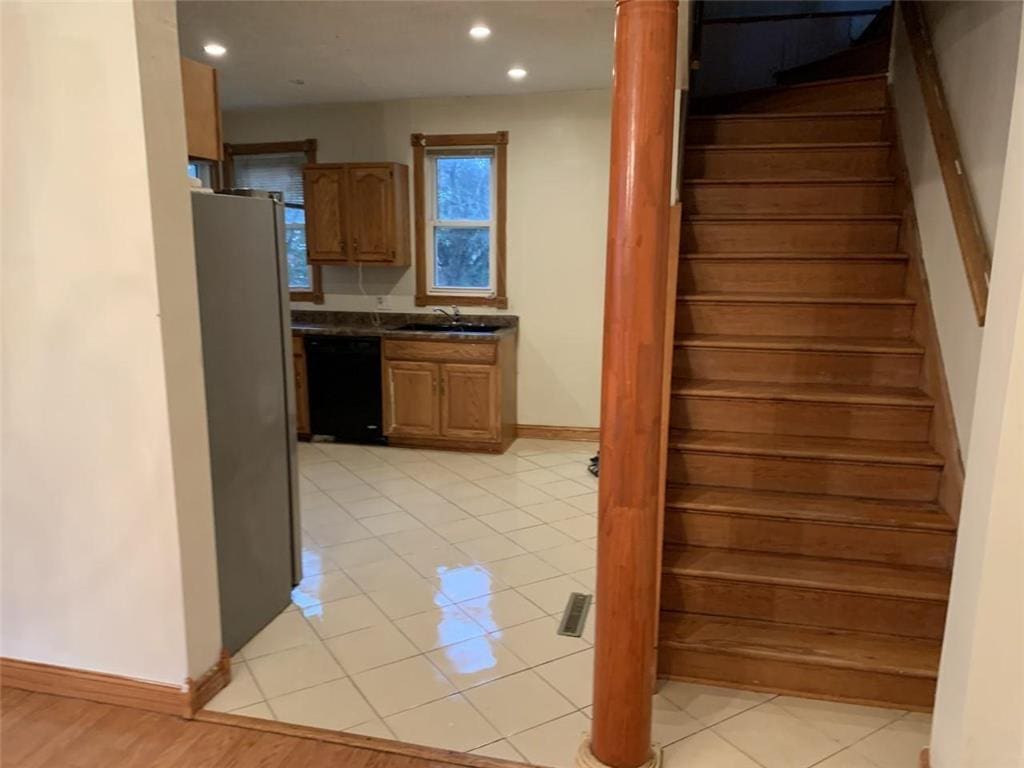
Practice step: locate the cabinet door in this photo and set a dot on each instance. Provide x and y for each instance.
(411, 404)
(469, 401)
(371, 213)
(325, 204)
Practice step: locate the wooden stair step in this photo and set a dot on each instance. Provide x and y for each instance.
(862, 274)
(799, 161)
(802, 343)
(776, 314)
(786, 127)
(836, 527)
(826, 410)
(900, 397)
(851, 257)
(855, 195)
(834, 95)
(807, 591)
(800, 447)
(798, 359)
(806, 661)
(824, 465)
(808, 572)
(809, 507)
(780, 233)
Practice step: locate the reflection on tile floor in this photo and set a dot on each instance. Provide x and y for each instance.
(434, 583)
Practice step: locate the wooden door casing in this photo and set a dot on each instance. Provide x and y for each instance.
(325, 191)
(411, 400)
(371, 213)
(470, 408)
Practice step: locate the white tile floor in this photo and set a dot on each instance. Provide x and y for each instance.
(434, 583)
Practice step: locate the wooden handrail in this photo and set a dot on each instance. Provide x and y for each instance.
(973, 248)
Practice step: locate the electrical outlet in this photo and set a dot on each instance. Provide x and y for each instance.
(383, 302)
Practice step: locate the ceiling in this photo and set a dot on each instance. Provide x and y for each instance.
(372, 50)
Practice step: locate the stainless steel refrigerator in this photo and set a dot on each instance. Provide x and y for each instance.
(250, 402)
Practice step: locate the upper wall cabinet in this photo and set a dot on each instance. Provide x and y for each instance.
(357, 213)
(202, 110)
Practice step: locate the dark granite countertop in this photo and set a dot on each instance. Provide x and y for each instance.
(365, 324)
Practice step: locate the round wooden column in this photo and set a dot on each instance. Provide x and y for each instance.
(629, 534)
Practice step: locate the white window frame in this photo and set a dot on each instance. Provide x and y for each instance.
(430, 170)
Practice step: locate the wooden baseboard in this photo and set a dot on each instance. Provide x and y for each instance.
(209, 685)
(115, 689)
(434, 755)
(546, 432)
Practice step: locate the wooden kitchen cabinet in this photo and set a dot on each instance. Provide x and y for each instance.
(450, 394)
(301, 388)
(470, 408)
(411, 390)
(202, 110)
(357, 213)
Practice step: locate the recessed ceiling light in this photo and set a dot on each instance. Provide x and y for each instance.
(517, 73)
(480, 32)
(215, 49)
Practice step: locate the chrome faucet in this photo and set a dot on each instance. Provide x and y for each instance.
(453, 317)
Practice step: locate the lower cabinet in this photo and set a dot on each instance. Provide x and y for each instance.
(411, 399)
(450, 394)
(301, 389)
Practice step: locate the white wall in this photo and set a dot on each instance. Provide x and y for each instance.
(979, 707)
(93, 506)
(976, 46)
(557, 209)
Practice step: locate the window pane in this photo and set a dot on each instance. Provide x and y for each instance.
(463, 188)
(300, 276)
(462, 257)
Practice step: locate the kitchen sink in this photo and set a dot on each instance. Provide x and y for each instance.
(449, 327)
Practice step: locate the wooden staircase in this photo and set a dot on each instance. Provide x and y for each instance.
(805, 549)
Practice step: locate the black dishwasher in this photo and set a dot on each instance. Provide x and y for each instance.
(343, 376)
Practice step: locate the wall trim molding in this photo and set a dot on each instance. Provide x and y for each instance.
(210, 684)
(356, 741)
(121, 691)
(547, 432)
(943, 431)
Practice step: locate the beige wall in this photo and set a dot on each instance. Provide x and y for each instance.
(557, 207)
(976, 45)
(95, 511)
(979, 708)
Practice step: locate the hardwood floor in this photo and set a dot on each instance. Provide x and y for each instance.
(39, 730)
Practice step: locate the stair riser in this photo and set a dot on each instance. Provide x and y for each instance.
(808, 199)
(854, 685)
(803, 277)
(767, 236)
(793, 130)
(797, 366)
(807, 607)
(792, 417)
(809, 538)
(740, 163)
(764, 319)
(830, 97)
(907, 482)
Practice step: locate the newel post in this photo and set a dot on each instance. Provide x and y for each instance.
(633, 377)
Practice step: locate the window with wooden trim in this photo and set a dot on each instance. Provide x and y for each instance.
(459, 182)
(277, 167)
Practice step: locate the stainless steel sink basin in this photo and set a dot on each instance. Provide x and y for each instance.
(449, 328)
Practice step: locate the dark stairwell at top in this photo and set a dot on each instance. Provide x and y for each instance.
(805, 548)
